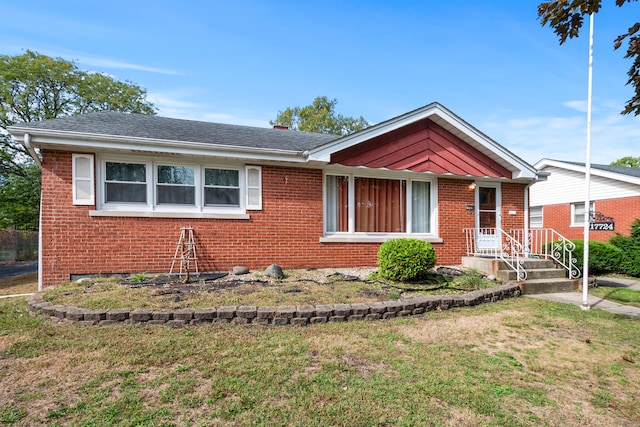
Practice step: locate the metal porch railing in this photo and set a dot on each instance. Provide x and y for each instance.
(496, 243)
(548, 243)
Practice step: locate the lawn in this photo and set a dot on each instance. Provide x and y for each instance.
(517, 362)
(618, 294)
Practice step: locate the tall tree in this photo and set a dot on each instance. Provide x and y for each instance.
(36, 87)
(566, 17)
(20, 199)
(319, 117)
(627, 161)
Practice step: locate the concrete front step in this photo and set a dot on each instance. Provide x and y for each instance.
(548, 286)
(539, 273)
(492, 265)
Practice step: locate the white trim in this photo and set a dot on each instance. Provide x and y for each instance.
(187, 211)
(544, 163)
(353, 236)
(366, 238)
(148, 214)
(77, 200)
(66, 140)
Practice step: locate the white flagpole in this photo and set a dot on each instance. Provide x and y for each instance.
(587, 177)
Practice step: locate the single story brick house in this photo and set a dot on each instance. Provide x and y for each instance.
(118, 188)
(558, 202)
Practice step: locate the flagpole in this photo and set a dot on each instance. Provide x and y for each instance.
(587, 177)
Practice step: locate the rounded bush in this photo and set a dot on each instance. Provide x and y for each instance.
(405, 259)
(603, 257)
(630, 246)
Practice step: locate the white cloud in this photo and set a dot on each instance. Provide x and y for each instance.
(565, 137)
(576, 105)
(173, 104)
(111, 63)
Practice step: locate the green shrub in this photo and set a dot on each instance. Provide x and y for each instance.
(603, 257)
(635, 230)
(630, 247)
(405, 259)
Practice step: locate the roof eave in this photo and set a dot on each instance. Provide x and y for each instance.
(592, 171)
(52, 139)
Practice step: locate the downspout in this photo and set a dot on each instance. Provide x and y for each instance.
(27, 144)
(527, 245)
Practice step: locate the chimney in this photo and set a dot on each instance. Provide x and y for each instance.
(279, 126)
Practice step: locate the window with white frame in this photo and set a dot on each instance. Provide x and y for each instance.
(125, 182)
(143, 185)
(360, 204)
(535, 217)
(578, 213)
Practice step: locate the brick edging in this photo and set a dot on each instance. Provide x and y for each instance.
(282, 315)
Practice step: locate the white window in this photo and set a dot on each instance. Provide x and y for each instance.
(221, 187)
(360, 204)
(138, 184)
(83, 185)
(577, 213)
(125, 182)
(535, 217)
(175, 185)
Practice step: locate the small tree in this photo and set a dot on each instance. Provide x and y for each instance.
(319, 117)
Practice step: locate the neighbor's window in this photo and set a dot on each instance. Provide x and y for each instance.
(125, 182)
(221, 187)
(535, 217)
(577, 213)
(377, 205)
(176, 185)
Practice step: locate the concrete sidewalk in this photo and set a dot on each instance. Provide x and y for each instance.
(575, 298)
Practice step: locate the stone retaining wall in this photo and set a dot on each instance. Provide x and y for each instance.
(284, 315)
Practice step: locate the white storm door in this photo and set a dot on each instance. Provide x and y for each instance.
(488, 207)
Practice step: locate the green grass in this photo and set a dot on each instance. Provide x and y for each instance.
(617, 294)
(518, 362)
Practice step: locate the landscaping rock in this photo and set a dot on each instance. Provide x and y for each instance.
(274, 271)
(240, 270)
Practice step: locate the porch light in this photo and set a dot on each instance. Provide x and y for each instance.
(472, 186)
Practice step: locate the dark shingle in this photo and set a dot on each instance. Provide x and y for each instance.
(623, 170)
(162, 128)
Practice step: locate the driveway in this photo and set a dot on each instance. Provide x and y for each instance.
(18, 268)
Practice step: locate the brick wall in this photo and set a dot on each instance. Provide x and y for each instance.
(623, 210)
(286, 231)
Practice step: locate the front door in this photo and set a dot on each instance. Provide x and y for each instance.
(488, 206)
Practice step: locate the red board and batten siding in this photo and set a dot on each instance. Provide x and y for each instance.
(423, 146)
(286, 231)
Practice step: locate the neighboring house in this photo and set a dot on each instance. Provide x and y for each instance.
(558, 202)
(118, 188)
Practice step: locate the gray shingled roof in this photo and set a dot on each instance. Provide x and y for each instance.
(162, 128)
(623, 170)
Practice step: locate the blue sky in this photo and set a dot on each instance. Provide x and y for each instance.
(242, 61)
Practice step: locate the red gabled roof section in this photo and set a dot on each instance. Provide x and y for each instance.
(423, 146)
